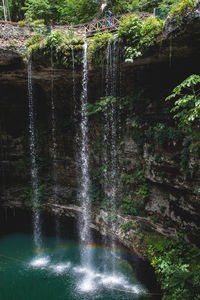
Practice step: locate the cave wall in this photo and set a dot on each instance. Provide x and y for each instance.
(173, 196)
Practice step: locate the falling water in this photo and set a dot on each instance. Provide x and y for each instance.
(54, 145)
(85, 232)
(73, 75)
(34, 167)
(106, 122)
(113, 61)
(110, 137)
(53, 127)
(6, 10)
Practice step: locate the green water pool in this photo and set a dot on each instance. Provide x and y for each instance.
(55, 271)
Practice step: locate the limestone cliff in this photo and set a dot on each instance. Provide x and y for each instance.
(173, 199)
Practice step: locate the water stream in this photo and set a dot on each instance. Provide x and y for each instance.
(53, 127)
(6, 10)
(110, 139)
(85, 219)
(73, 76)
(34, 166)
(54, 146)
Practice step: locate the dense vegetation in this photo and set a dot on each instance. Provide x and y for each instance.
(177, 266)
(79, 11)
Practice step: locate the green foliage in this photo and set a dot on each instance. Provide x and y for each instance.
(119, 7)
(77, 11)
(34, 43)
(37, 9)
(16, 12)
(59, 44)
(134, 184)
(80, 11)
(129, 30)
(27, 194)
(126, 227)
(178, 268)
(181, 8)
(149, 32)
(144, 5)
(106, 103)
(58, 11)
(187, 101)
(137, 135)
(163, 9)
(198, 188)
(96, 194)
(138, 35)
(185, 155)
(96, 50)
(163, 134)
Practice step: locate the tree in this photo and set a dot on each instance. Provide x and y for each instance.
(38, 9)
(187, 101)
(77, 11)
(16, 11)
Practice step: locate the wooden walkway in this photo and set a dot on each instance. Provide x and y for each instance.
(89, 29)
(84, 30)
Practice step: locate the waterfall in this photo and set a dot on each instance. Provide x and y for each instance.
(73, 75)
(54, 146)
(53, 121)
(34, 166)
(85, 219)
(110, 137)
(6, 10)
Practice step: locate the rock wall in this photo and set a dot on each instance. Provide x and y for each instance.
(173, 199)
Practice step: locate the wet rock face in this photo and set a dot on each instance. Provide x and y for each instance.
(173, 196)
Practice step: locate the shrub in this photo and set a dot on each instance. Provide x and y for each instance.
(129, 30)
(55, 40)
(34, 42)
(37, 9)
(96, 50)
(178, 268)
(134, 183)
(138, 35)
(77, 11)
(149, 32)
(187, 101)
(182, 8)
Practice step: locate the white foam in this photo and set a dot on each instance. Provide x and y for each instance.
(87, 285)
(39, 262)
(113, 280)
(60, 268)
(92, 280)
(80, 270)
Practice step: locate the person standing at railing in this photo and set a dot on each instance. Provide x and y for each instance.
(109, 17)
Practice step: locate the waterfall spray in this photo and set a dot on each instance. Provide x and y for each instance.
(85, 220)
(34, 166)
